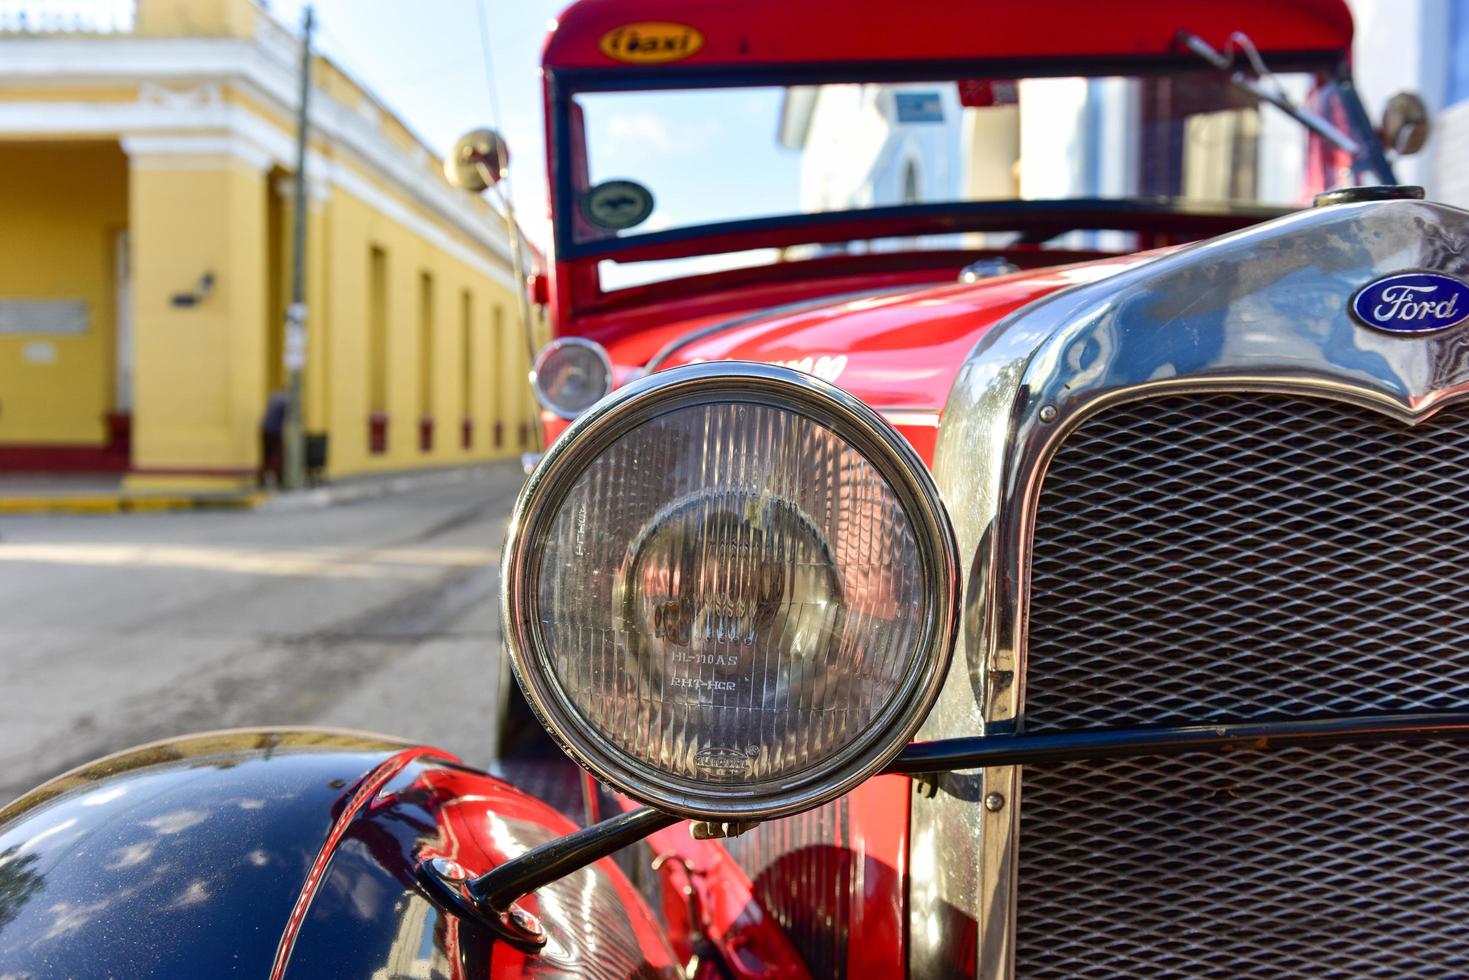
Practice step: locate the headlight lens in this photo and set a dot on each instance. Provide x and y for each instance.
(732, 593)
(571, 375)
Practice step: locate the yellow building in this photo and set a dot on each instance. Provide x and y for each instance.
(145, 254)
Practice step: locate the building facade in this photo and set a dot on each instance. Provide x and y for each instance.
(146, 158)
(1059, 138)
(1421, 46)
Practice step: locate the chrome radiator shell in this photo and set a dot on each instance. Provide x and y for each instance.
(1262, 310)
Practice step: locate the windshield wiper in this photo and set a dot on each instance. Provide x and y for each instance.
(1265, 87)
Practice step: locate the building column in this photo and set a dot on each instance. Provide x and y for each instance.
(197, 220)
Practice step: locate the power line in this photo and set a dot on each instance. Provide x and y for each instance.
(483, 7)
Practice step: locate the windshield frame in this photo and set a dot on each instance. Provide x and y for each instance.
(563, 84)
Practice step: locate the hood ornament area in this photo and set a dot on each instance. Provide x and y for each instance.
(1412, 303)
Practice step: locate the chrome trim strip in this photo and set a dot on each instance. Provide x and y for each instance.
(1131, 741)
(703, 383)
(916, 417)
(1263, 309)
(678, 343)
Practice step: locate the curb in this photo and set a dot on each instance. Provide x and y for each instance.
(123, 504)
(373, 488)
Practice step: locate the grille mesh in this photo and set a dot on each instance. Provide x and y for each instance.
(1236, 556)
(1248, 556)
(1348, 861)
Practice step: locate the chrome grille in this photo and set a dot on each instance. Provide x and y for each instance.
(1248, 556)
(1349, 861)
(1244, 555)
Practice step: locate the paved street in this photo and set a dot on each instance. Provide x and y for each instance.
(375, 615)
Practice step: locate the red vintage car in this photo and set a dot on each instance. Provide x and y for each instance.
(1002, 515)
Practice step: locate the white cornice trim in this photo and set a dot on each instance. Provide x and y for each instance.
(180, 137)
(181, 152)
(263, 71)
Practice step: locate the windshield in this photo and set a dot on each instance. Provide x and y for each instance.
(644, 162)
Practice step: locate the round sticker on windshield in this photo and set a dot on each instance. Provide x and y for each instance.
(617, 204)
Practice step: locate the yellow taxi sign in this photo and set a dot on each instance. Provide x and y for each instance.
(651, 43)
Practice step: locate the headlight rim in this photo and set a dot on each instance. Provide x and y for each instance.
(593, 433)
(537, 371)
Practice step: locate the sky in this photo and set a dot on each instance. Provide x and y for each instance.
(706, 156)
(424, 61)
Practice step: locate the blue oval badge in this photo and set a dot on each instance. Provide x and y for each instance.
(1412, 302)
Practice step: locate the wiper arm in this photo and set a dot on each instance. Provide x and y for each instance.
(1271, 93)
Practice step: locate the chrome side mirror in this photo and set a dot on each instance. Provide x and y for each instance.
(479, 159)
(1405, 125)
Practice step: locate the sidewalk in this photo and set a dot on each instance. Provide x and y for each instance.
(373, 485)
(91, 494)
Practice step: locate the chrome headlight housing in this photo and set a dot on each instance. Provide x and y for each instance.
(570, 375)
(731, 591)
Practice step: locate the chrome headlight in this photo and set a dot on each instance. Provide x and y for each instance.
(731, 591)
(571, 375)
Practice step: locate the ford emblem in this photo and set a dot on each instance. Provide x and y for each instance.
(1412, 302)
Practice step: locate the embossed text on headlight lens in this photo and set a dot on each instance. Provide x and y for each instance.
(729, 593)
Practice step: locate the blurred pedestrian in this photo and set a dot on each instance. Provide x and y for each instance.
(272, 432)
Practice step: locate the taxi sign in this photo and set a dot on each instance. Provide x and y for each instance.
(651, 42)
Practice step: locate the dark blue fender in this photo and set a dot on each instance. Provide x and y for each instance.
(290, 853)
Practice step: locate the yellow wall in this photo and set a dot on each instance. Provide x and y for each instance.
(61, 208)
(197, 18)
(355, 229)
(202, 374)
(198, 371)
(215, 197)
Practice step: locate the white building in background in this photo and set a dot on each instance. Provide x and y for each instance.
(1421, 46)
(870, 145)
(876, 145)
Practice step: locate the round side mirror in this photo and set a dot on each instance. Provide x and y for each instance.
(1404, 126)
(480, 158)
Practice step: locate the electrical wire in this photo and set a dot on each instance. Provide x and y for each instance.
(505, 188)
(482, 7)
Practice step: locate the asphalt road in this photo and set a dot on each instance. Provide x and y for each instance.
(376, 615)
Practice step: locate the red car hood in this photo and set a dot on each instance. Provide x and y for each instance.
(897, 351)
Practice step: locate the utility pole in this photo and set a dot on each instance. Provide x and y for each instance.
(293, 442)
